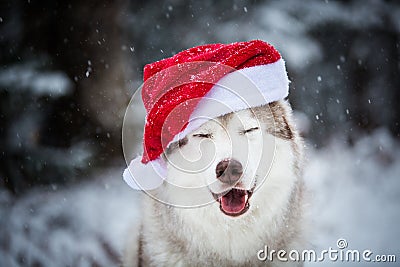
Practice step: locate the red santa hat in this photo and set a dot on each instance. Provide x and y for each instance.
(182, 92)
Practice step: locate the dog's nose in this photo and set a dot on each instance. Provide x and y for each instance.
(229, 171)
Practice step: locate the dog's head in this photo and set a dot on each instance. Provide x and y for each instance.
(227, 160)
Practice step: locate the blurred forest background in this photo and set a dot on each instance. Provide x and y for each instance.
(69, 68)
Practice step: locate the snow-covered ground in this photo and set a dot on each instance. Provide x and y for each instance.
(85, 225)
(355, 196)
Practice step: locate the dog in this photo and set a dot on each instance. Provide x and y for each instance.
(233, 186)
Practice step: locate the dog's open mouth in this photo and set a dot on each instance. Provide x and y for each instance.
(235, 202)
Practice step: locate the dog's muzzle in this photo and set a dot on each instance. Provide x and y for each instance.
(235, 201)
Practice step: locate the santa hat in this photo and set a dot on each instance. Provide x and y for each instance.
(182, 92)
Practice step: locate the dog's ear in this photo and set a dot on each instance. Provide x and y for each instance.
(284, 129)
(276, 117)
(281, 113)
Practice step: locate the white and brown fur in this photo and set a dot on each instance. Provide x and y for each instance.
(173, 236)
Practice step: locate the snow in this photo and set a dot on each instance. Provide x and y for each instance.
(354, 195)
(28, 77)
(79, 226)
(276, 23)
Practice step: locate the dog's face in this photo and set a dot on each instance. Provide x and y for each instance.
(227, 160)
(227, 156)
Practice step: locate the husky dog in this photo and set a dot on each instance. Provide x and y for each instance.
(247, 188)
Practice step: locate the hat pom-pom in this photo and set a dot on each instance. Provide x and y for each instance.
(148, 176)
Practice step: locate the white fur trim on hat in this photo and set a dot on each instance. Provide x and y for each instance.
(238, 90)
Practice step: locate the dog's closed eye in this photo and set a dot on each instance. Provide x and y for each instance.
(250, 130)
(203, 135)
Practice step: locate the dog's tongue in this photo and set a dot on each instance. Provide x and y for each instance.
(234, 202)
